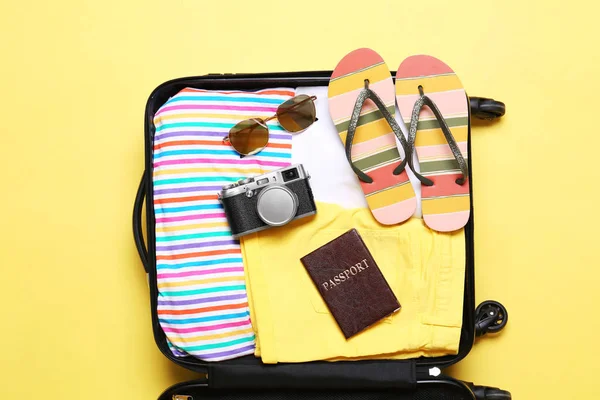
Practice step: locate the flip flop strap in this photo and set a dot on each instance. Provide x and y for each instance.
(365, 94)
(412, 134)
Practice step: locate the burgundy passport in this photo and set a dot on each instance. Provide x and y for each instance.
(351, 283)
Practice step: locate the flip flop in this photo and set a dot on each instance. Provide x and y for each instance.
(439, 133)
(362, 105)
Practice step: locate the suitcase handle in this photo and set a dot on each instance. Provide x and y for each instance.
(138, 234)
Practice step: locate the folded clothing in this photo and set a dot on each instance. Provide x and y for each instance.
(425, 270)
(202, 299)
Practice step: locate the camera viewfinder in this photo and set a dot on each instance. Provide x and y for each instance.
(290, 174)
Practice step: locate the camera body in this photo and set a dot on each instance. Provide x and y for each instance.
(272, 199)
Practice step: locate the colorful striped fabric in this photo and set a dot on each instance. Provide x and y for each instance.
(390, 197)
(446, 205)
(202, 300)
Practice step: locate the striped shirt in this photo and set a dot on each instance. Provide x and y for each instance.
(202, 300)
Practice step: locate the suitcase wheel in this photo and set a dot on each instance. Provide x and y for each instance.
(489, 393)
(490, 317)
(488, 109)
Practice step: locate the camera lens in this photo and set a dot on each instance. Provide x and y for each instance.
(277, 205)
(290, 174)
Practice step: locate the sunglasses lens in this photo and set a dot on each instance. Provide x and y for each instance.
(249, 136)
(297, 113)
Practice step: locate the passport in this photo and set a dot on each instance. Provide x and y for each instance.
(350, 282)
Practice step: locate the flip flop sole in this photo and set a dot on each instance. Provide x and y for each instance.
(390, 197)
(446, 205)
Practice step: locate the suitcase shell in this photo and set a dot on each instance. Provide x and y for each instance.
(247, 377)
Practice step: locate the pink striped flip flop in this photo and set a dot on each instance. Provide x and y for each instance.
(433, 101)
(362, 104)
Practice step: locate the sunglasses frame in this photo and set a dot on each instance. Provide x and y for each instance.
(263, 122)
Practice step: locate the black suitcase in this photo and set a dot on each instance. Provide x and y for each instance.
(247, 377)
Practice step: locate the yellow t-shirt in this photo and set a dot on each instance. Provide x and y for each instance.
(424, 268)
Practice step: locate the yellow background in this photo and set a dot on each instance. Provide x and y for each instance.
(74, 79)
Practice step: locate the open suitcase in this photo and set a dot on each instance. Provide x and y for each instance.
(247, 377)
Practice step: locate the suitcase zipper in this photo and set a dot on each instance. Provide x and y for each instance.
(189, 387)
(427, 372)
(431, 372)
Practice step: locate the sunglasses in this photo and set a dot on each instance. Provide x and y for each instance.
(252, 135)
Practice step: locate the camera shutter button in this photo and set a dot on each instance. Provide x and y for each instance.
(245, 181)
